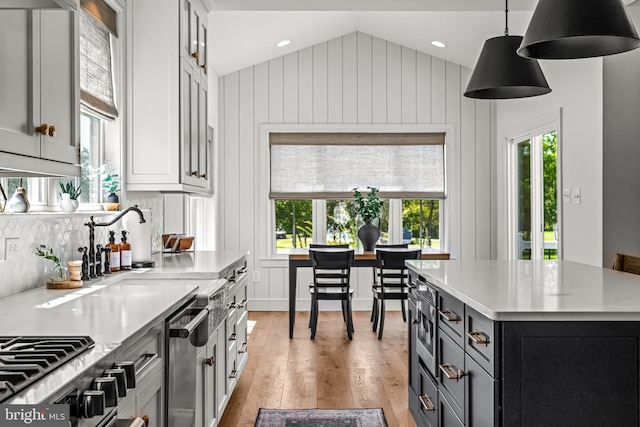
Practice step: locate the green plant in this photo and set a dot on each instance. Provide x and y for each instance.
(70, 188)
(368, 207)
(109, 183)
(47, 253)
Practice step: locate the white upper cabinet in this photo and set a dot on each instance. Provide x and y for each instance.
(168, 148)
(39, 109)
(39, 4)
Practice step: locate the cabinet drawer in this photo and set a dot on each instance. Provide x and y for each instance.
(428, 399)
(481, 336)
(451, 317)
(451, 363)
(447, 416)
(481, 396)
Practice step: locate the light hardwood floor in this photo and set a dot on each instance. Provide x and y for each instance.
(329, 372)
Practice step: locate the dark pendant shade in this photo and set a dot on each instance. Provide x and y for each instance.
(570, 29)
(501, 74)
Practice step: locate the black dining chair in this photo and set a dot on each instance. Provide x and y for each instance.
(376, 280)
(393, 282)
(331, 281)
(322, 245)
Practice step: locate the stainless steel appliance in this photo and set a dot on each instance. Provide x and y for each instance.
(427, 317)
(187, 330)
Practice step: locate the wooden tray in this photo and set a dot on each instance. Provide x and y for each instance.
(67, 284)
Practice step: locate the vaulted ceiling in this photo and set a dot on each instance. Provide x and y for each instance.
(244, 32)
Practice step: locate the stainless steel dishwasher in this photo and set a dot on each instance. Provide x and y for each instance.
(187, 330)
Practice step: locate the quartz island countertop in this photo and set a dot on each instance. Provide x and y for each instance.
(524, 290)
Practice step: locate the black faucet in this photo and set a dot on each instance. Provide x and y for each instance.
(92, 225)
(107, 260)
(98, 259)
(85, 263)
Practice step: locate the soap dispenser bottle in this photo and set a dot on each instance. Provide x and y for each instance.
(125, 252)
(114, 254)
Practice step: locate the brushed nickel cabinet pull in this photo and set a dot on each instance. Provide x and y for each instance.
(233, 374)
(243, 303)
(415, 321)
(427, 404)
(450, 372)
(478, 337)
(243, 348)
(449, 315)
(209, 361)
(232, 305)
(233, 336)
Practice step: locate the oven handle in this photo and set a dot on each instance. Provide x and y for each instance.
(187, 330)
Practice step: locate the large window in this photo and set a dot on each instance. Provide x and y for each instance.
(312, 177)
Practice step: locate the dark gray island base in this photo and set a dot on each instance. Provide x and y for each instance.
(466, 369)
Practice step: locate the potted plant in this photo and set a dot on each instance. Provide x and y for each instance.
(58, 273)
(110, 186)
(369, 209)
(69, 194)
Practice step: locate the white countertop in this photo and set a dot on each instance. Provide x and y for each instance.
(537, 290)
(110, 309)
(201, 264)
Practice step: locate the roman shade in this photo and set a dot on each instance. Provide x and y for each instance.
(330, 165)
(96, 65)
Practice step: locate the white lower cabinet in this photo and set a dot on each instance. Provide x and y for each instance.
(208, 359)
(148, 402)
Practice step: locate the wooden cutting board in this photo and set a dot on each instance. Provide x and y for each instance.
(67, 284)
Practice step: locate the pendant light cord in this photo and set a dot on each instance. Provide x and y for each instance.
(506, 17)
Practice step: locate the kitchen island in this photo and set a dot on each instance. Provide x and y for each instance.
(124, 316)
(523, 343)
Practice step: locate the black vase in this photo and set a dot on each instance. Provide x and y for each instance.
(369, 235)
(112, 198)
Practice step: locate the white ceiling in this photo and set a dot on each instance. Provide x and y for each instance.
(244, 32)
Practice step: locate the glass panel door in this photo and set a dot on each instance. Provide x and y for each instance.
(534, 204)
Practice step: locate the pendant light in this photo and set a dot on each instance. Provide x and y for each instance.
(570, 29)
(501, 74)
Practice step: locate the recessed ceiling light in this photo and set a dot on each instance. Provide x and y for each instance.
(283, 43)
(438, 43)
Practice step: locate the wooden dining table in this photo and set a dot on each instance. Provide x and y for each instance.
(299, 257)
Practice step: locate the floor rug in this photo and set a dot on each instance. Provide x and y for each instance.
(321, 418)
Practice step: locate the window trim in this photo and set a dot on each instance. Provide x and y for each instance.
(266, 240)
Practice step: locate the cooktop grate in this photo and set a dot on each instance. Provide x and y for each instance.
(25, 359)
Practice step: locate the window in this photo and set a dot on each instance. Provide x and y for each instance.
(294, 226)
(312, 176)
(91, 157)
(421, 223)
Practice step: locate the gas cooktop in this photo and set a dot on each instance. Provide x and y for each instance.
(26, 359)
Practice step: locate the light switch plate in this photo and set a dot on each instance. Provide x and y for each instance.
(566, 195)
(575, 196)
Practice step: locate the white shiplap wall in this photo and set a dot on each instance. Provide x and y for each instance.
(356, 79)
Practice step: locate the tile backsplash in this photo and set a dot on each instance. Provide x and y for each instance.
(24, 270)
